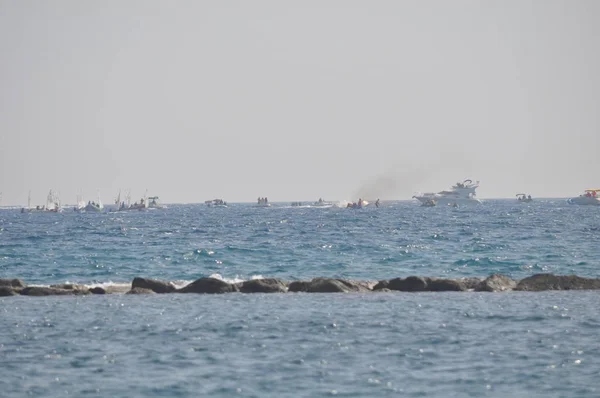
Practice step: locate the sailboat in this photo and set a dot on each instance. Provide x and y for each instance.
(53, 202)
(80, 203)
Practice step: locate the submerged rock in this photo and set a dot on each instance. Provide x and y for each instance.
(12, 282)
(97, 290)
(152, 284)
(51, 291)
(140, 290)
(496, 283)
(268, 285)
(540, 282)
(209, 286)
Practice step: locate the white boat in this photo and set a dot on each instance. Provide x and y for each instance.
(94, 207)
(126, 204)
(263, 202)
(216, 203)
(522, 198)
(460, 193)
(322, 203)
(589, 197)
(80, 203)
(154, 203)
(52, 203)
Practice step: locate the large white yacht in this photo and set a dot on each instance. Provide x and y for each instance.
(589, 197)
(460, 193)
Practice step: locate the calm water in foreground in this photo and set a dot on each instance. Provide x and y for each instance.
(379, 344)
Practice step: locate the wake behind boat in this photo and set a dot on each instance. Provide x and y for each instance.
(461, 193)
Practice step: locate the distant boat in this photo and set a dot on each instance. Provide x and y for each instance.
(263, 202)
(522, 198)
(460, 193)
(154, 203)
(215, 203)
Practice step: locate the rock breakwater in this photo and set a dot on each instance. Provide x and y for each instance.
(493, 283)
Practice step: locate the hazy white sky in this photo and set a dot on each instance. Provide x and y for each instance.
(298, 100)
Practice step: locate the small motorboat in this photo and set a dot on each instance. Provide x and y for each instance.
(589, 197)
(522, 198)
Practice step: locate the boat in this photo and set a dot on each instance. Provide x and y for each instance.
(52, 203)
(522, 198)
(589, 197)
(297, 204)
(126, 204)
(358, 205)
(216, 203)
(80, 203)
(154, 203)
(263, 202)
(322, 203)
(460, 193)
(94, 207)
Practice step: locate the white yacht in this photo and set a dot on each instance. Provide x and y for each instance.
(460, 193)
(589, 197)
(322, 203)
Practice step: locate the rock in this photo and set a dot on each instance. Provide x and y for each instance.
(6, 291)
(445, 285)
(298, 286)
(496, 283)
(50, 291)
(269, 285)
(470, 283)
(381, 285)
(329, 285)
(410, 284)
(541, 282)
(209, 286)
(97, 290)
(140, 290)
(12, 282)
(154, 285)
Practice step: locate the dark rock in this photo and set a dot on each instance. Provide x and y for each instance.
(263, 286)
(298, 286)
(50, 291)
(329, 285)
(154, 285)
(12, 282)
(140, 290)
(410, 284)
(209, 286)
(382, 285)
(541, 282)
(445, 285)
(97, 290)
(6, 291)
(496, 283)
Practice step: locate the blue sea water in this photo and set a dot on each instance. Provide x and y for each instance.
(301, 345)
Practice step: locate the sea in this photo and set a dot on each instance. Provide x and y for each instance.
(448, 344)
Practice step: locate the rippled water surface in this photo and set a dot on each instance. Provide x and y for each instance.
(301, 345)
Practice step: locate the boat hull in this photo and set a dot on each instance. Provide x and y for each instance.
(584, 201)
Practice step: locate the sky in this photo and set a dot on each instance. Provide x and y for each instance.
(296, 100)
